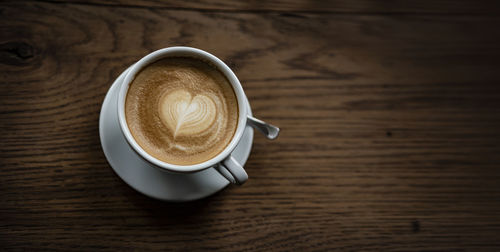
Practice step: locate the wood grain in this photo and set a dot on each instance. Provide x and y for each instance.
(448, 7)
(389, 141)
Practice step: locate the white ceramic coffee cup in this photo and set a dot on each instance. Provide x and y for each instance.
(224, 161)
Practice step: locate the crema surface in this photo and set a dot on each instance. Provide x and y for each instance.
(181, 110)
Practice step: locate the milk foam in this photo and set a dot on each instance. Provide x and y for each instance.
(185, 114)
(181, 110)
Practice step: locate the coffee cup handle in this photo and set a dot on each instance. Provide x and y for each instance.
(232, 171)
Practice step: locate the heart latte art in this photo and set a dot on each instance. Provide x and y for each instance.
(187, 115)
(181, 111)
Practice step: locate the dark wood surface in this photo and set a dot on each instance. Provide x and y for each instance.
(390, 117)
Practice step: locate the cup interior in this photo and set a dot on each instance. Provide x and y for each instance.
(192, 53)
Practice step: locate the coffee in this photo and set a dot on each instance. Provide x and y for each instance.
(181, 110)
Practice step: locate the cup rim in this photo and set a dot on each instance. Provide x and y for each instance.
(178, 51)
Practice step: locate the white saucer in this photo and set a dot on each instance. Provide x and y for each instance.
(152, 181)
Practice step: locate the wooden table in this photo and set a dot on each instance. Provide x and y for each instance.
(390, 117)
